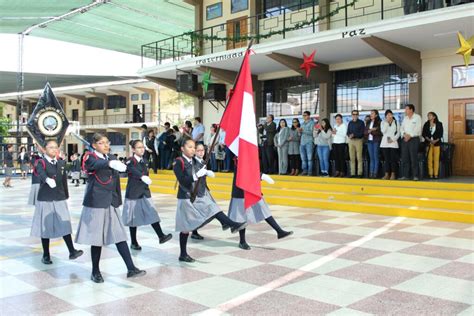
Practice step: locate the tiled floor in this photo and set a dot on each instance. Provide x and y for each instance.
(337, 263)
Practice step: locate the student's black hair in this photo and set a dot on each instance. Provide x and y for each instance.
(22, 147)
(188, 124)
(9, 146)
(133, 143)
(51, 140)
(338, 115)
(185, 140)
(176, 128)
(167, 124)
(97, 137)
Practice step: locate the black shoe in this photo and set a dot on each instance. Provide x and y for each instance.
(135, 273)
(284, 234)
(244, 246)
(225, 227)
(97, 277)
(46, 260)
(135, 247)
(165, 238)
(75, 254)
(186, 258)
(239, 227)
(196, 236)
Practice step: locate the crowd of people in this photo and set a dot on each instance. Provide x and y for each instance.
(293, 150)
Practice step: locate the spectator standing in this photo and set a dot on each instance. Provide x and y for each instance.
(24, 161)
(411, 132)
(373, 135)
(339, 145)
(432, 134)
(198, 131)
(269, 132)
(389, 145)
(282, 144)
(150, 152)
(355, 132)
(209, 141)
(306, 144)
(322, 139)
(294, 147)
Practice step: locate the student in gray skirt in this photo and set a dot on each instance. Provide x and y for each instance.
(191, 216)
(100, 223)
(24, 161)
(51, 218)
(138, 209)
(35, 180)
(8, 165)
(256, 213)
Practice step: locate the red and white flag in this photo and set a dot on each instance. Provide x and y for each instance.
(240, 128)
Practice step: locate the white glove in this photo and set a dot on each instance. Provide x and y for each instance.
(210, 174)
(202, 172)
(51, 183)
(146, 179)
(117, 165)
(267, 178)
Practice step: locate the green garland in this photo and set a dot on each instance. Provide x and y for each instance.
(195, 36)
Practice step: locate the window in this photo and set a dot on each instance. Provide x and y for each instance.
(116, 138)
(145, 96)
(116, 102)
(469, 118)
(371, 88)
(290, 96)
(134, 97)
(95, 104)
(78, 101)
(70, 102)
(75, 115)
(277, 7)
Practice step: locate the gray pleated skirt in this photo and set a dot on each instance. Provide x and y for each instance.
(191, 216)
(51, 219)
(9, 171)
(252, 215)
(100, 227)
(25, 167)
(33, 193)
(75, 175)
(139, 212)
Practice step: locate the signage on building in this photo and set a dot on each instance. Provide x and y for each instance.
(353, 33)
(208, 60)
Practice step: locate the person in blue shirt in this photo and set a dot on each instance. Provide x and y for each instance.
(355, 133)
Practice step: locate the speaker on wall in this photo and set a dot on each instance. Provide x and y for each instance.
(186, 83)
(216, 91)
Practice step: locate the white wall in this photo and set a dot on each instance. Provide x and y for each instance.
(436, 84)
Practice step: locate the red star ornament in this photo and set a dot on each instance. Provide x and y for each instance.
(308, 63)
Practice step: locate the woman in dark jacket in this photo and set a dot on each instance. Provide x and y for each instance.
(432, 134)
(374, 137)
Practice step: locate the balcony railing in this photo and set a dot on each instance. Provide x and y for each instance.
(117, 119)
(276, 22)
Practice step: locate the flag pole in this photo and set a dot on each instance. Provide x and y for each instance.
(213, 144)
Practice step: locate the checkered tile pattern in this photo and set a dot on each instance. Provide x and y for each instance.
(414, 267)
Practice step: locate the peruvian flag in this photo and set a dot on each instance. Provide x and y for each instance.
(240, 128)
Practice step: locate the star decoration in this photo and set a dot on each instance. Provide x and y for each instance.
(308, 63)
(206, 80)
(466, 48)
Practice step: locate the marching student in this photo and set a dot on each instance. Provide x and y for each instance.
(100, 223)
(8, 165)
(258, 212)
(204, 191)
(35, 179)
(51, 218)
(190, 216)
(138, 209)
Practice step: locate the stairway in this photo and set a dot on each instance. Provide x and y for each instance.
(423, 199)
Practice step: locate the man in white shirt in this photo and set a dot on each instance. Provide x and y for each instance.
(410, 132)
(198, 131)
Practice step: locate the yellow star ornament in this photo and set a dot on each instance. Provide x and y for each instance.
(466, 48)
